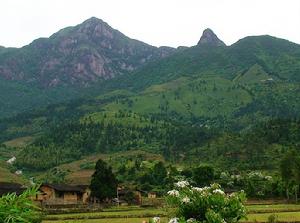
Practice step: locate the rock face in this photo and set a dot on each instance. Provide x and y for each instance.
(210, 38)
(82, 54)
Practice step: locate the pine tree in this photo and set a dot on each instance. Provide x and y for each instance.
(104, 184)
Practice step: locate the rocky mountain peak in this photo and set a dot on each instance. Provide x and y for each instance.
(80, 55)
(97, 27)
(210, 38)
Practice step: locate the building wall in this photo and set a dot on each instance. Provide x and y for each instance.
(70, 197)
(151, 195)
(138, 196)
(51, 196)
(48, 193)
(86, 196)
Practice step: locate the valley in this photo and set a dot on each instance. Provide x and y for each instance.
(154, 116)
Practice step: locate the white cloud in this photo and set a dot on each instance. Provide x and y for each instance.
(157, 22)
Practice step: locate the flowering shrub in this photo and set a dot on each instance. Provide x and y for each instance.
(206, 205)
(255, 183)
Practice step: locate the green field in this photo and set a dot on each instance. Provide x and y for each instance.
(210, 96)
(112, 220)
(257, 213)
(282, 217)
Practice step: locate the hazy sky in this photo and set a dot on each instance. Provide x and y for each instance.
(157, 22)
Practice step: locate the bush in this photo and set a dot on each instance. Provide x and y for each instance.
(207, 204)
(20, 209)
(272, 218)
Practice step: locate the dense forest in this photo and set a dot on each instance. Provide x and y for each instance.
(258, 148)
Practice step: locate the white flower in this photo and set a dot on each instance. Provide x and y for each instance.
(174, 220)
(182, 184)
(232, 195)
(269, 178)
(218, 191)
(174, 193)
(186, 200)
(191, 220)
(156, 219)
(223, 175)
(205, 188)
(198, 189)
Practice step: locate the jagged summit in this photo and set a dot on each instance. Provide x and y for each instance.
(210, 38)
(93, 21)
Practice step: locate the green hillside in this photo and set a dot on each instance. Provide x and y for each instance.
(208, 97)
(234, 106)
(277, 57)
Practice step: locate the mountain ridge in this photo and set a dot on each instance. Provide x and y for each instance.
(88, 52)
(93, 58)
(210, 38)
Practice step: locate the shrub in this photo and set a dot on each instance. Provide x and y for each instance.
(273, 218)
(207, 204)
(20, 209)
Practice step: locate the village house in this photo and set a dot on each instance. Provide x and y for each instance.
(152, 195)
(127, 196)
(63, 194)
(6, 188)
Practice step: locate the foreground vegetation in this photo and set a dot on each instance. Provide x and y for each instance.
(282, 212)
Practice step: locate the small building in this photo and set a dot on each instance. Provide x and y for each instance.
(127, 196)
(7, 188)
(152, 195)
(63, 194)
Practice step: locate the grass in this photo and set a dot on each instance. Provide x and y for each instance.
(209, 96)
(7, 176)
(19, 142)
(111, 220)
(127, 213)
(282, 217)
(255, 74)
(285, 213)
(273, 208)
(76, 174)
(129, 119)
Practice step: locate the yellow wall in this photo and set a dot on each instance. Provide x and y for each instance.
(86, 195)
(70, 197)
(48, 195)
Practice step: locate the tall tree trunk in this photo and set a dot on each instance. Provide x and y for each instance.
(296, 193)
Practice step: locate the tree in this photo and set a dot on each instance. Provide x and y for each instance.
(290, 166)
(103, 184)
(203, 175)
(159, 173)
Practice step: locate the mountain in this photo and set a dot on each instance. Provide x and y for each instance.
(210, 38)
(279, 58)
(68, 65)
(86, 53)
(235, 106)
(93, 58)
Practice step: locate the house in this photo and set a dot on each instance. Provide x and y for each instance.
(6, 188)
(152, 195)
(63, 194)
(127, 196)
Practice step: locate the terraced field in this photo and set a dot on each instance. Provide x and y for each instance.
(257, 213)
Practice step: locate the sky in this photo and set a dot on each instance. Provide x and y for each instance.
(156, 22)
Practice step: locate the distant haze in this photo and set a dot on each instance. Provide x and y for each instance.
(156, 22)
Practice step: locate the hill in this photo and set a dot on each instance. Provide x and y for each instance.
(235, 106)
(277, 57)
(68, 63)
